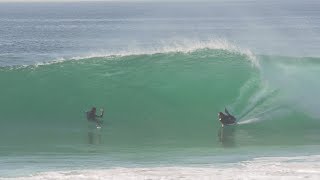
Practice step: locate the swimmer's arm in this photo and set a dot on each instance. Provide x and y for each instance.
(102, 112)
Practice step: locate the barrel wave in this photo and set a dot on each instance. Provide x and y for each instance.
(166, 100)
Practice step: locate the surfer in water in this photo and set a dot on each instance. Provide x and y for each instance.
(93, 117)
(226, 119)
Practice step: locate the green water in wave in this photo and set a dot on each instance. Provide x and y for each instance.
(161, 101)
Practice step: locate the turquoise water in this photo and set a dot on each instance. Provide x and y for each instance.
(161, 75)
(164, 100)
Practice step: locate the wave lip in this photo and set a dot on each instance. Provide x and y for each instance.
(163, 47)
(178, 46)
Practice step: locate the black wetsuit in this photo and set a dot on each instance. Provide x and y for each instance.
(227, 119)
(91, 116)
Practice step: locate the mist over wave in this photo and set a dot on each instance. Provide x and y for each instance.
(160, 47)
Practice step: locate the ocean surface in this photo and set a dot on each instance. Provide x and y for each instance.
(161, 71)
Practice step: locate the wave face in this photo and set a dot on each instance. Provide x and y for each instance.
(162, 100)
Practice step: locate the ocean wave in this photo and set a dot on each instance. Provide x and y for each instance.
(180, 91)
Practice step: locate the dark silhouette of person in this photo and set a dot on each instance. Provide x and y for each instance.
(93, 117)
(226, 119)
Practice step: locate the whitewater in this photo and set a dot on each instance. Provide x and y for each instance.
(162, 72)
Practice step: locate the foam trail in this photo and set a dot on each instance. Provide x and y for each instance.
(260, 116)
(265, 168)
(249, 121)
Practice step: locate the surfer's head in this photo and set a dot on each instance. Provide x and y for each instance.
(220, 114)
(94, 109)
